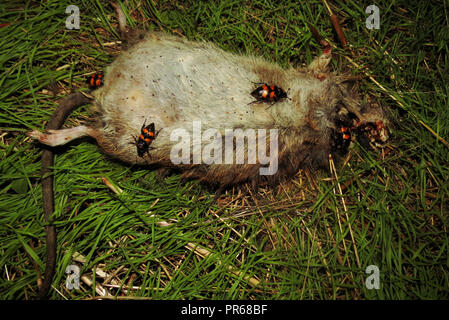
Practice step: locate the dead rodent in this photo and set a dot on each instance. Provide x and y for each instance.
(199, 97)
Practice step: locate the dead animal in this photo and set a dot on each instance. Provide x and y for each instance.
(201, 96)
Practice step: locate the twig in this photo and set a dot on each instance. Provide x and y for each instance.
(112, 186)
(334, 172)
(337, 27)
(125, 288)
(317, 35)
(98, 288)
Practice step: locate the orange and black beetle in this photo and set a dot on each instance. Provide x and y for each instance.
(146, 137)
(341, 137)
(95, 80)
(268, 93)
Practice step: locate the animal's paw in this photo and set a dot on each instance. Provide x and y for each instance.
(55, 138)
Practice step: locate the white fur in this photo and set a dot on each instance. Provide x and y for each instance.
(172, 82)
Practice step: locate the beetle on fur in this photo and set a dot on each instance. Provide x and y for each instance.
(95, 81)
(342, 139)
(268, 93)
(146, 137)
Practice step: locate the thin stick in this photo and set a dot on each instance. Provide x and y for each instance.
(112, 186)
(332, 165)
(337, 27)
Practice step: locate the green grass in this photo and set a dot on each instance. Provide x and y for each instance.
(301, 240)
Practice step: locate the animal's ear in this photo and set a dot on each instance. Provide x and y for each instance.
(352, 88)
(128, 35)
(320, 64)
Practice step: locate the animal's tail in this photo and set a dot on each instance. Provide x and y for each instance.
(64, 109)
